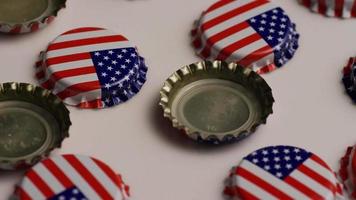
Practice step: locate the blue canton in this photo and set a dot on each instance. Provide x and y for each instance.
(115, 69)
(70, 194)
(280, 161)
(276, 29)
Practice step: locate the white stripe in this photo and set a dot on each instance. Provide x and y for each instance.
(31, 189)
(321, 170)
(102, 178)
(233, 39)
(330, 5)
(347, 8)
(84, 35)
(276, 182)
(70, 65)
(312, 184)
(48, 178)
(246, 50)
(88, 48)
(83, 97)
(314, 5)
(73, 80)
(76, 178)
(225, 9)
(257, 65)
(254, 189)
(238, 19)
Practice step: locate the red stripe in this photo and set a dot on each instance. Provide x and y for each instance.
(39, 63)
(194, 32)
(35, 26)
(233, 13)
(353, 10)
(245, 194)
(40, 75)
(318, 178)
(303, 188)
(339, 188)
(16, 30)
(306, 3)
(40, 184)
(58, 173)
(339, 7)
(222, 35)
(197, 42)
(91, 104)
(49, 19)
(48, 85)
(321, 162)
(87, 41)
(219, 5)
(68, 58)
(255, 56)
(266, 69)
(227, 51)
(79, 88)
(347, 69)
(84, 29)
(226, 33)
(22, 194)
(85, 173)
(72, 72)
(322, 7)
(110, 173)
(262, 184)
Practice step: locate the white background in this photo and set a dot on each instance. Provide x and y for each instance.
(311, 109)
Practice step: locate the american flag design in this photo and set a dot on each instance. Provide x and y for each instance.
(349, 78)
(332, 8)
(347, 172)
(253, 33)
(70, 177)
(91, 68)
(283, 172)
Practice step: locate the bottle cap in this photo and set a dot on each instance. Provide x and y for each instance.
(283, 172)
(216, 102)
(72, 177)
(33, 122)
(347, 171)
(92, 68)
(349, 78)
(253, 33)
(332, 8)
(19, 16)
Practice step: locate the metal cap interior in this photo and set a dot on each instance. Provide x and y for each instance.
(216, 101)
(33, 122)
(13, 12)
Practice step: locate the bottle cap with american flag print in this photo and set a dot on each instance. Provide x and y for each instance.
(283, 172)
(19, 16)
(349, 78)
(33, 122)
(347, 172)
(252, 33)
(332, 8)
(216, 102)
(69, 177)
(92, 68)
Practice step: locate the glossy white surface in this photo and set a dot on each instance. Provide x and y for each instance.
(311, 111)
